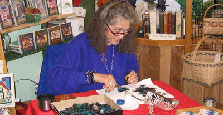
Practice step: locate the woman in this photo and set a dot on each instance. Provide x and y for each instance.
(103, 56)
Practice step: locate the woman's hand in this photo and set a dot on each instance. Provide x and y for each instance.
(132, 77)
(107, 79)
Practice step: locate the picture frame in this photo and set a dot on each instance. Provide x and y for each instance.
(52, 7)
(18, 9)
(41, 38)
(54, 35)
(66, 31)
(42, 6)
(26, 42)
(7, 90)
(6, 14)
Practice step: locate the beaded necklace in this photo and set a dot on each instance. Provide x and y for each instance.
(104, 60)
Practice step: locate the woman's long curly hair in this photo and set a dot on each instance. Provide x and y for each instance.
(108, 14)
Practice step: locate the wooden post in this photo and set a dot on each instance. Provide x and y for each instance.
(2, 57)
(188, 26)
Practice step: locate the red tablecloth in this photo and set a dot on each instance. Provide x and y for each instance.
(184, 102)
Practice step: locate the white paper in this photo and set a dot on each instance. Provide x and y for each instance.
(133, 103)
(1, 66)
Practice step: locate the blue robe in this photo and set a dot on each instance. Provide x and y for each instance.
(68, 74)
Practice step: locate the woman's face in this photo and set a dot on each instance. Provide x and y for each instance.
(117, 31)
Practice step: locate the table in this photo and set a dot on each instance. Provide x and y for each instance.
(184, 102)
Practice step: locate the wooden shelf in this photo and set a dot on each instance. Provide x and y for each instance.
(9, 56)
(22, 26)
(144, 41)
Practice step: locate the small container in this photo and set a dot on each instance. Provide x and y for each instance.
(209, 102)
(44, 101)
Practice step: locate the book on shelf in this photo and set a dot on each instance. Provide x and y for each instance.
(41, 38)
(14, 47)
(165, 20)
(55, 23)
(65, 6)
(161, 22)
(54, 35)
(18, 10)
(42, 6)
(52, 7)
(152, 19)
(7, 91)
(157, 21)
(26, 42)
(173, 22)
(178, 24)
(183, 27)
(169, 30)
(6, 16)
(66, 31)
(146, 23)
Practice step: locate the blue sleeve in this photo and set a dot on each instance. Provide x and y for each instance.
(132, 64)
(66, 77)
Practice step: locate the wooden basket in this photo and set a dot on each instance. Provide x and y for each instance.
(196, 110)
(201, 66)
(212, 25)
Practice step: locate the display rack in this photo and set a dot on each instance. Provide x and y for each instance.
(11, 55)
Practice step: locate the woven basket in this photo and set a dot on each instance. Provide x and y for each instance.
(201, 66)
(212, 25)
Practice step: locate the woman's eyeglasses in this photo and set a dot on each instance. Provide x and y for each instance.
(126, 32)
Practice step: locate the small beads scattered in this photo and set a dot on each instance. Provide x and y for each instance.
(87, 109)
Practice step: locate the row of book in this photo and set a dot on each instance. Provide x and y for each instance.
(156, 22)
(42, 38)
(13, 12)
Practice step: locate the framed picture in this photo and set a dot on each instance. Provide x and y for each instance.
(26, 42)
(7, 92)
(66, 31)
(5, 14)
(65, 6)
(41, 38)
(54, 35)
(52, 7)
(19, 11)
(42, 6)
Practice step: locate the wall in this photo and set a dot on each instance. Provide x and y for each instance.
(25, 68)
